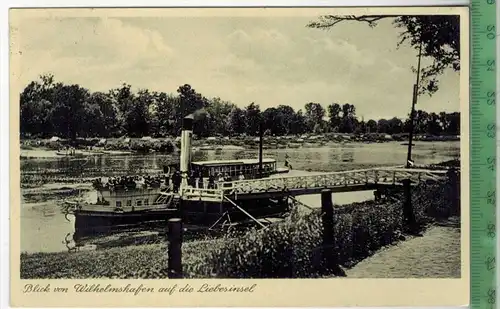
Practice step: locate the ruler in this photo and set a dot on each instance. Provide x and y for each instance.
(483, 158)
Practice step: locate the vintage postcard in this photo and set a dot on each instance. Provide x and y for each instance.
(239, 157)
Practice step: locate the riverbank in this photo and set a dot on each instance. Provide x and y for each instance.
(284, 250)
(125, 145)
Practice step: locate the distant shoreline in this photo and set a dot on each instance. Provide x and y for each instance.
(125, 145)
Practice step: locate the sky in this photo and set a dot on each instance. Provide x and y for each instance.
(269, 61)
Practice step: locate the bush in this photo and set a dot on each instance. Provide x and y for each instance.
(292, 249)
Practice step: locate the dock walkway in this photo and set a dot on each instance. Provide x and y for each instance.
(345, 181)
(435, 255)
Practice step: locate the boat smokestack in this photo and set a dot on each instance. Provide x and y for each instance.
(186, 136)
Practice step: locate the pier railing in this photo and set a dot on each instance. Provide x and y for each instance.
(382, 176)
(394, 176)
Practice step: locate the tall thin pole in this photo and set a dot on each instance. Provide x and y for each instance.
(412, 114)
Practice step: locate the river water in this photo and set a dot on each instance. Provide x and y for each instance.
(44, 227)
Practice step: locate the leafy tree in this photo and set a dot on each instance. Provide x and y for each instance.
(438, 34)
(103, 115)
(93, 126)
(314, 114)
(69, 103)
(453, 123)
(253, 119)
(236, 121)
(361, 127)
(421, 122)
(299, 125)
(123, 99)
(395, 126)
(138, 117)
(434, 125)
(371, 126)
(164, 114)
(36, 105)
(219, 112)
(272, 121)
(48, 107)
(287, 115)
(383, 126)
(348, 124)
(334, 111)
(191, 102)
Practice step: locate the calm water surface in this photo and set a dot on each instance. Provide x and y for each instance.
(44, 227)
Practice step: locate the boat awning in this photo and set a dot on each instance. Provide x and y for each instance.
(233, 162)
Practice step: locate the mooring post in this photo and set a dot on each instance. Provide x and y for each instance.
(175, 248)
(328, 253)
(409, 216)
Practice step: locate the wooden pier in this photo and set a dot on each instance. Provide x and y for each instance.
(284, 186)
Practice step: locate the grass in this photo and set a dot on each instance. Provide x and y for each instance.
(290, 249)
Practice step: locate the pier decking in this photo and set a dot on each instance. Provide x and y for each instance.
(345, 181)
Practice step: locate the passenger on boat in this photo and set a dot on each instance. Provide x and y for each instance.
(241, 176)
(176, 181)
(200, 180)
(220, 180)
(195, 179)
(287, 164)
(211, 181)
(192, 179)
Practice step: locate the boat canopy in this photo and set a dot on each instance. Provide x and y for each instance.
(233, 168)
(233, 162)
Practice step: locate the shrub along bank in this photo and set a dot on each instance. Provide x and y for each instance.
(290, 249)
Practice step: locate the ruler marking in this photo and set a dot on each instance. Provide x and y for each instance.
(483, 146)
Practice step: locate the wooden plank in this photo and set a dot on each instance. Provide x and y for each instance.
(244, 211)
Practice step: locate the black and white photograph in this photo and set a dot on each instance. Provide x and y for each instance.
(244, 146)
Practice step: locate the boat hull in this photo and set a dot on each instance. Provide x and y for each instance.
(194, 213)
(88, 222)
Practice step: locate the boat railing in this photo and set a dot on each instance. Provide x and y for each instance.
(191, 192)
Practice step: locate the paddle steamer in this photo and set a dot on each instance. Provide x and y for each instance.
(190, 190)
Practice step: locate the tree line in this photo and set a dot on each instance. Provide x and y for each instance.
(49, 108)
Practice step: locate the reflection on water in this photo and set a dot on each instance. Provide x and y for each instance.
(45, 228)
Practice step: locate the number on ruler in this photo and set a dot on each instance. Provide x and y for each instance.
(490, 197)
(491, 230)
(491, 32)
(490, 65)
(490, 98)
(490, 263)
(491, 130)
(491, 161)
(491, 296)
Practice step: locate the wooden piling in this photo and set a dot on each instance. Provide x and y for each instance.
(408, 215)
(175, 248)
(328, 253)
